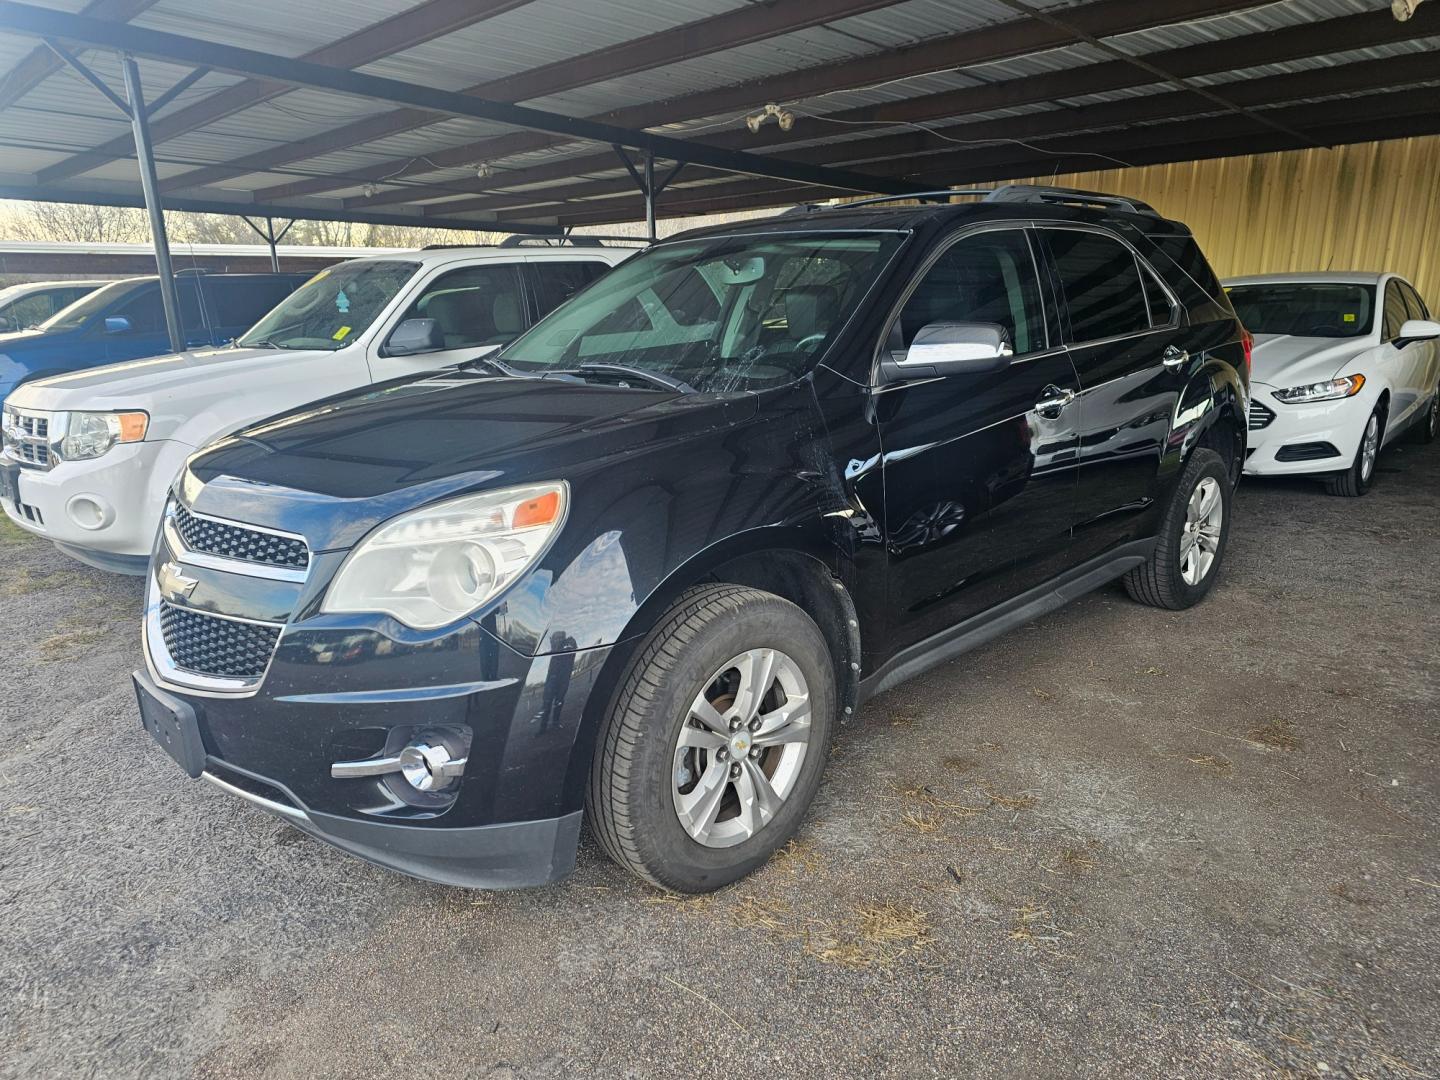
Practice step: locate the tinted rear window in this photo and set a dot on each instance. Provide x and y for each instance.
(1102, 284)
(238, 303)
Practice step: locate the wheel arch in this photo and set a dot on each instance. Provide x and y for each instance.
(789, 562)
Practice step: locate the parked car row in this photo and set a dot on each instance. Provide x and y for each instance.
(455, 550)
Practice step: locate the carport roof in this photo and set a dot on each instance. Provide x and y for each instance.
(403, 112)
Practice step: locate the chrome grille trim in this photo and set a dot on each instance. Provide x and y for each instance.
(1260, 416)
(167, 671)
(185, 554)
(233, 542)
(27, 436)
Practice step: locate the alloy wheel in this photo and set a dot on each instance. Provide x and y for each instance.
(1200, 538)
(740, 751)
(1370, 448)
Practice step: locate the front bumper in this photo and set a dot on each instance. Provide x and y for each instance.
(102, 511)
(356, 688)
(1341, 424)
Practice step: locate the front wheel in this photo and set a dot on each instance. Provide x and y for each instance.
(1193, 532)
(714, 746)
(1428, 429)
(1356, 480)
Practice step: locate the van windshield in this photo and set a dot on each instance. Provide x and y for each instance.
(714, 314)
(333, 308)
(1302, 309)
(83, 310)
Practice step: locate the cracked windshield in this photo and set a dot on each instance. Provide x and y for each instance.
(712, 316)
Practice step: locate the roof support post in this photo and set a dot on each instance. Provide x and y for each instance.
(271, 237)
(644, 177)
(150, 184)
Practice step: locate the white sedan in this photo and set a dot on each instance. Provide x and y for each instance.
(1343, 364)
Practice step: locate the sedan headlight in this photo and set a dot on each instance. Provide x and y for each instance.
(91, 434)
(432, 566)
(1331, 390)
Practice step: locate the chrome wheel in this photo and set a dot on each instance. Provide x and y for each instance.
(740, 751)
(1200, 539)
(1370, 447)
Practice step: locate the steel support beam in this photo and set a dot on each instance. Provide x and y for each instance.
(42, 22)
(150, 184)
(1364, 76)
(1290, 43)
(271, 238)
(416, 25)
(947, 53)
(41, 62)
(749, 23)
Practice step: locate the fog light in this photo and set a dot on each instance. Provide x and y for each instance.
(427, 767)
(90, 512)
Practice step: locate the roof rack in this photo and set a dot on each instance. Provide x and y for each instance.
(1018, 193)
(1073, 196)
(519, 240)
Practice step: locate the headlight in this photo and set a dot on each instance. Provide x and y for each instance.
(430, 567)
(1349, 386)
(90, 434)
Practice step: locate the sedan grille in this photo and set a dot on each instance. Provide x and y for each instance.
(1260, 416)
(237, 542)
(208, 645)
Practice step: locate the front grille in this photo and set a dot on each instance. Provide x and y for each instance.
(1260, 416)
(237, 542)
(27, 439)
(207, 645)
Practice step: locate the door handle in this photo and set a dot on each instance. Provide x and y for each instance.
(1053, 401)
(1174, 358)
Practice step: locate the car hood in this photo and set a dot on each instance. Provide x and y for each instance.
(143, 384)
(334, 470)
(1281, 360)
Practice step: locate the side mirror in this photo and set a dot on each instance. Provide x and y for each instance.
(1417, 330)
(415, 336)
(117, 324)
(951, 348)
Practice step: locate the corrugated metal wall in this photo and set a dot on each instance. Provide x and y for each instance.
(1369, 206)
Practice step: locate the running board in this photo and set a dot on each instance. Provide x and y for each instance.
(1017, 611)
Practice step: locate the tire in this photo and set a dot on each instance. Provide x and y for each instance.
(641, 775)
(1427, 430)
(1357, 479)
(1161, 581)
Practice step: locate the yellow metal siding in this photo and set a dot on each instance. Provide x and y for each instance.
(1368, 206)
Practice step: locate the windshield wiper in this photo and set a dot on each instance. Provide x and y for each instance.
(654, 377)
(263, 343)
(497, 366)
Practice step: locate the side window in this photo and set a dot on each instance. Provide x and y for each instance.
(479, 305)
(990, 278)
(191, 317)
(145, 312)
(239, 303)
(1162, 311)
(1101, 282)
(556, 281)
(1395, 314)
(32, 310)
(1413, 304)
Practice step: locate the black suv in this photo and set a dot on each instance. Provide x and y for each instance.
(637, 566)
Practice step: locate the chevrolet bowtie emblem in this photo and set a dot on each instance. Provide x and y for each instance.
(174, 585)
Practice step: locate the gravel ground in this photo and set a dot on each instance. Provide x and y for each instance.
(1117, 842)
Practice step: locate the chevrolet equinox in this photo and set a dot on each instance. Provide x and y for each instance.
(636, 566)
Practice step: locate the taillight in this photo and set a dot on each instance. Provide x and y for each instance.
(1247, 342)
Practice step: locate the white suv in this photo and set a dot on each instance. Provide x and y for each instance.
(89, 456)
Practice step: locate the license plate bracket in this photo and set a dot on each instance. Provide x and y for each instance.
(173, 724)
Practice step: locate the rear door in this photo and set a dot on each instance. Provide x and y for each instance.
(978, 470)
(1127, 340)
(553, 281)
(1427, 352)
(235, 304)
